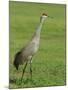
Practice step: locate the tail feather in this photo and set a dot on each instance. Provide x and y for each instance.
(16, 60)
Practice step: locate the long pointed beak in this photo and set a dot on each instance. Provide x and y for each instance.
(50, 17)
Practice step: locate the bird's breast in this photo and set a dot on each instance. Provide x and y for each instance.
(35, 47)
(31, 49)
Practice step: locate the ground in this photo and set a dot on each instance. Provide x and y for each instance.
(48, 64)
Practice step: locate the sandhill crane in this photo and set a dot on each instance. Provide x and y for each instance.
(25, 55)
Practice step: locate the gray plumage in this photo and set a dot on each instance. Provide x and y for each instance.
(26, 54)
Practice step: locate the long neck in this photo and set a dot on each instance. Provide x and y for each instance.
(38, 30)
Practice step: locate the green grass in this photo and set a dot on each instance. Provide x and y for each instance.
(49, 63)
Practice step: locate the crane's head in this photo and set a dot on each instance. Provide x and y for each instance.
(43, 17)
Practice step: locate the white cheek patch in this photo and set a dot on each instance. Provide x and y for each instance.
(44, 16)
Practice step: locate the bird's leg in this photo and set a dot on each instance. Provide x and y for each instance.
(23, 71)
(31, 68)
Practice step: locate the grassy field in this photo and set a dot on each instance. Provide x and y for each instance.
(49, 63)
